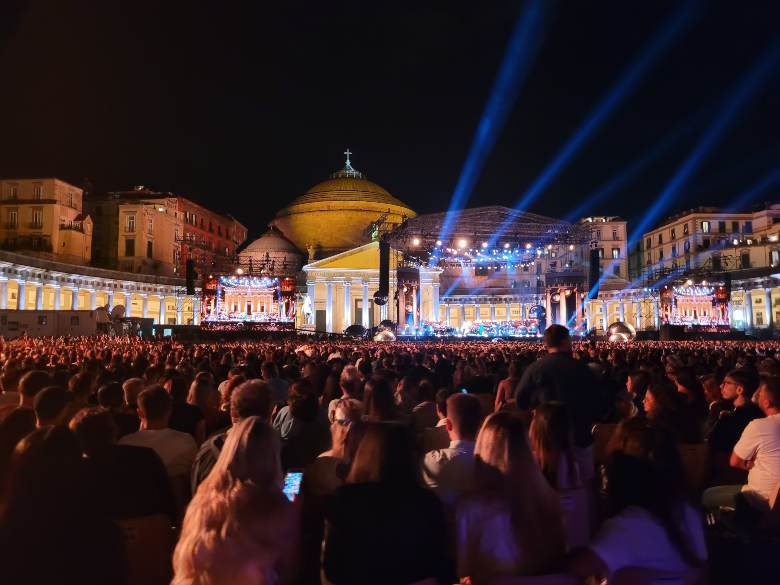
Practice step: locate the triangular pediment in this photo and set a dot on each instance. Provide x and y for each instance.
(364, 257)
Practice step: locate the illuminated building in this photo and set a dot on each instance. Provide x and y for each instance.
(45, 218)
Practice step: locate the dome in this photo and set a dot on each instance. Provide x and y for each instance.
(337, 214)
(272, 253)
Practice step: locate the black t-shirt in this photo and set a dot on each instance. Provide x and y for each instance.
(558, 376)
(385, 534)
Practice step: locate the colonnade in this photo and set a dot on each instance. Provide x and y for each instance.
(39, 294)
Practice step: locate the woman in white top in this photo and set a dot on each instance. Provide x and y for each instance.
(512, 524)
(651, 527)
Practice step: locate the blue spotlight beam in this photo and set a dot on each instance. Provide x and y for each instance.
(749, 195)
(625, 85)
(625, 176)
(519, 56)
(735, 101)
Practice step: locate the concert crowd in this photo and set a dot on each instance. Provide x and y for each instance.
(287, 460)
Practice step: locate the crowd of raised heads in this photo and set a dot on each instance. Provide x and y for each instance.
(291, 460)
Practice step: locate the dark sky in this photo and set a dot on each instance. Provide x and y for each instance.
(244, 105)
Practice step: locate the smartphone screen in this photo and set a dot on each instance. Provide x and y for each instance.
(292, 484)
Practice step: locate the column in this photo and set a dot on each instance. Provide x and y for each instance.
(731, 314)
(20, 295)
(196, 310)
(435, 300)
(179, 310)
(605, 314)
(492, 311)
(401, 307)
(622, 311)
(656, 310)
(3, 294)
(477, 316)
(145, 306)
(92, 299)
(447, 313)
(347, 303)
(748, 309)
(587, 316)
(74, 299)
(562, 308)
(414, 304)
(383, 312)
(329, 307)
(310, 288)
(57, 297)
(523, 313)
(39, 297)
(161, 315)
(638, 315)
(364, 310)
(462, 314)
(509, 311)
(768, 301)
(111, 299)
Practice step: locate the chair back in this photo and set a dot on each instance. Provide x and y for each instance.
(434, 438)
(641, 576)
(149, 542)
(488, 403)
(182, 493)
(556, 579)
(602, 433)
(576, 509)
(696, 465)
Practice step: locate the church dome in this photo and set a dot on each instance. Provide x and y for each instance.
(337, 214)
(271, 253)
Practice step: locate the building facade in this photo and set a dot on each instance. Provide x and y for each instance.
(208, 238)
(609, 236)
(714, 239)
(136, 231)
(45, 217)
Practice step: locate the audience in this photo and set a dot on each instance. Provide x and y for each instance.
(400, 484)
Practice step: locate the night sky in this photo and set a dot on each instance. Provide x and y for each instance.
(244, 105)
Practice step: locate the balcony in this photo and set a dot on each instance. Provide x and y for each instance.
(11, 225)
(35, 225)
(76, 226)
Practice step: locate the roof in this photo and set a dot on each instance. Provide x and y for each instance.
(348, 189)
(485, 222)
(348, 184)
(271, 241)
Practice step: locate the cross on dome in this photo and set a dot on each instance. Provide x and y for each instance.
(348, 165)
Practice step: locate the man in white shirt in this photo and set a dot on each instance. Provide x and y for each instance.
(450, 471)
(757, 452)
(176, 449)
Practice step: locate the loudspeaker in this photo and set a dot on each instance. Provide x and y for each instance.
(727, 284)
(384, 269)
(672, 333)
(594, 273)
(190, 276)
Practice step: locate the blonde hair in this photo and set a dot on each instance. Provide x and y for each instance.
(506, 470)
(239, 526)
